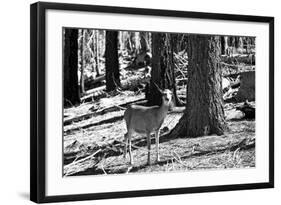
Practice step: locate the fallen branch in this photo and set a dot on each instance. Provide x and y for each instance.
(103, 169)
(182, 73)
(81, 160)
(109, 120)
(178, 159)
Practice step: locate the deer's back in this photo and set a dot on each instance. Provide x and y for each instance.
(142, 119)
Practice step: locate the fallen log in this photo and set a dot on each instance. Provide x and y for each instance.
(248, 110)
(93, 82)
(233, 69)
(131, 83)
(102, 111)
(94, 90)
(134, 82)
(239, 58)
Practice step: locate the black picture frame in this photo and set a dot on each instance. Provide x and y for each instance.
(38, 101)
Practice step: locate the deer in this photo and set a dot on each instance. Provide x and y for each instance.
(146, 120)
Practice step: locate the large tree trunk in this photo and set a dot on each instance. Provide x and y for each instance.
(162, 72)
(112, 74)
(70, 67)
(204, 114)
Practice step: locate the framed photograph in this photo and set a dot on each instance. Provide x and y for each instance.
(129, 102)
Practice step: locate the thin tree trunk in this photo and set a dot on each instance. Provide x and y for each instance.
(236, 41)
(97, 53)
(122, 40)
(82, 87)
(129, 45)
(137, 43)
(174, 42)
(223, 45)
(204, 114)
(132, 43)
(144, 41)
(240, 43)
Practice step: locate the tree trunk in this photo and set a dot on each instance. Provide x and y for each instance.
(97, 67)
(112, 74)
(144, 42)
(70, 78)
(162, 72)
(176, 38)
(137, 43)
(240, 43)
(224, 45)
(82, 48)
(121, 40)
(236, 41)
(129, 45)
(231, 41)
(204, 114)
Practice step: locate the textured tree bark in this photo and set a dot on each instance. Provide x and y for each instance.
(112, 74)
(70, 67)
(204, 114)
(162, 72)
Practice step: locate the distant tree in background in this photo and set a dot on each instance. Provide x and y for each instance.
(97, 53)
(223, 45)
(82, 59)
(144, 41)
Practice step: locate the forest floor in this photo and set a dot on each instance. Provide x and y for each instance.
(93, 141)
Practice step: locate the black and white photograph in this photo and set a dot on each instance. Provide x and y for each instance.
(142, 102)
(135, 102)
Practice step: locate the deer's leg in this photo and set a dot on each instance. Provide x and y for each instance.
(157, 145)
(148, 147)
(130, 149)
(125, 144)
